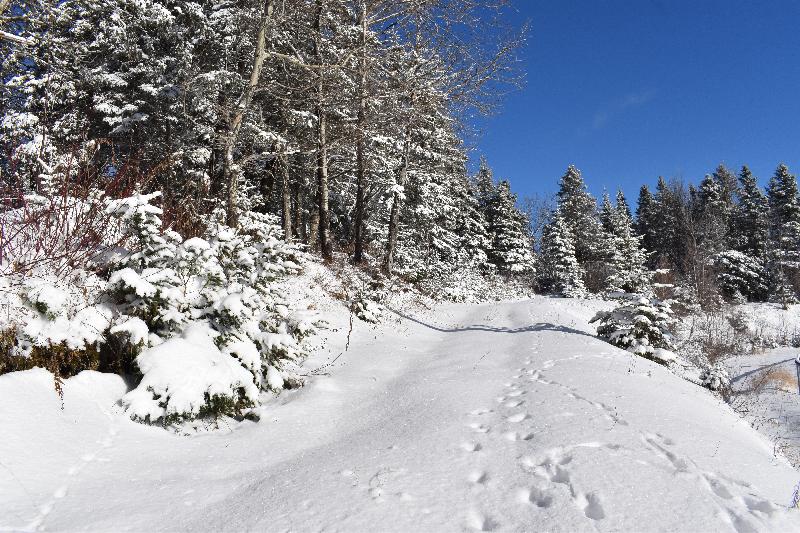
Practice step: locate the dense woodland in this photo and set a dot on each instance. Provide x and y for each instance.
(344, 118)
(722, 239)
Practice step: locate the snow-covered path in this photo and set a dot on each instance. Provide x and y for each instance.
(507, 417)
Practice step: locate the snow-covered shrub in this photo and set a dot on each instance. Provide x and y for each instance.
(739, 276)
(212, 301)
(640, 325)
(198, 321)
(715, 378)
(187, 377)
(60, 331)
(365, 309)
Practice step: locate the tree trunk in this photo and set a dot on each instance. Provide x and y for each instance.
(234, 125)
(322, 144)
(286, 198)
(299, 227)
(313, 229)
(394, 213)
(361, 164)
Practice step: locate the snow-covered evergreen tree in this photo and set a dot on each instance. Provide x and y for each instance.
(750, 226)
(579, 211)
(629, 272)
(511, 246)
(784, 209)
(640, 325)
(646, 210)
(740, 277)
(558, 270)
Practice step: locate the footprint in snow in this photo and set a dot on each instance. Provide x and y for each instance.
(478, 477)
(591, 505)
(519, 417)
(537, 497)
(513, 436)
(479, 428)
(478, 521)
(513, 403)
(470, 446)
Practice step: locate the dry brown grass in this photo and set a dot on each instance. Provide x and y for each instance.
(780, 379)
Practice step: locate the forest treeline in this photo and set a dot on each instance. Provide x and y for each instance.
(345, 118)
(724, 238)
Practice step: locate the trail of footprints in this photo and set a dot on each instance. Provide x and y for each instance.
(744, 511)
(550, 468)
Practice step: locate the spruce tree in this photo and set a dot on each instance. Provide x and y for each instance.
(629, 272)
(645, 218)
(784, 209)
(750, 227)
(579, 211)
(784, 234)
(511, 249)
(559, 271)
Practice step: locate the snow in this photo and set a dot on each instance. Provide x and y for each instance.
(180, 372)
(134, 327)
(509, 416)
(766, 393)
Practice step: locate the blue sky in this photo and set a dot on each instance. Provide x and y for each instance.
(628, 91)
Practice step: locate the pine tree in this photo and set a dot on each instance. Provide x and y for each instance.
(640, 325)
(784, 207)
(750, 226)
(623, 209)
(484, 185)
(511, 249)
(607, 214)
(579, 211)
(559, 271)
(628, 260)
(645, 218)
(728, 188)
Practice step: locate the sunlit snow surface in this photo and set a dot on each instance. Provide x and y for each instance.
(505, 417)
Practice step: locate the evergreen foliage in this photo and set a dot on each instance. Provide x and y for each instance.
(558, 271)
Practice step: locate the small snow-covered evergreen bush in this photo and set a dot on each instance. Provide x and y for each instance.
(59, 331)
(715, 378)
(218, 331)
(640, 325)
(366, 310)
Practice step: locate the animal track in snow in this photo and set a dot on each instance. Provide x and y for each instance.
(590, 504)
(478, 477)
(478, 428)
(513, 436)
(471, 446)
(743, 510)
(554, 466)
(480, 411)
(519, 417)
(657, 443)
(513, 403)
(537, 497)
(515, 393)
(478, 521)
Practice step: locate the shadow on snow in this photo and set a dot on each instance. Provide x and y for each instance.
(541, 326)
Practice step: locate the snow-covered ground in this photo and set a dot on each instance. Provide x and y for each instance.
(767, 395)
(508, 416)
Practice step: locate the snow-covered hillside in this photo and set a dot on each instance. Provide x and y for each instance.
(508, 416)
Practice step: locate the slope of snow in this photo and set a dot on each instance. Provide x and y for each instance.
(767, 394)
(509, 416)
